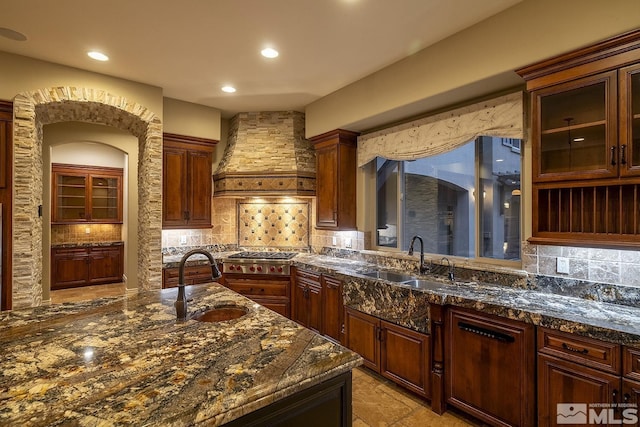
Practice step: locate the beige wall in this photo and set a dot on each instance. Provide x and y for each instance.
(21, 74)
(473, 63)
(90, 141)
(185, 118)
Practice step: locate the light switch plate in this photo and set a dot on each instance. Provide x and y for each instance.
(183, 239)
(347, 242)
(334, 241)
(562, 265)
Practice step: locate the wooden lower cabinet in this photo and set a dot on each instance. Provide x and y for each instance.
(307, 300)
(490, 367)
(106, 265)
(332, 309)
(395, 352)
(193, 275)
(83, 266)
(579, 370)
(272, 292)
(317, 303)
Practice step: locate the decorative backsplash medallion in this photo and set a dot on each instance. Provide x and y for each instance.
(273, 224)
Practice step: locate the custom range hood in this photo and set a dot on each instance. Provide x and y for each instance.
(266, 155)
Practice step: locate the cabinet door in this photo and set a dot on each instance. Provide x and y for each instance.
(405, 357)
(70, 201)
(105, 265)
(199, 178)
(630, 120)
(490, 367)
(314, 307)
(70, 268)
(362, 337)
(327, 187)
(174, 185)
(564, 382)
(332, 308)
(105, 199)
(575, 129)
(631, 396)
(300, 312)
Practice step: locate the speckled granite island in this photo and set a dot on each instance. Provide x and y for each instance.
(128, 361)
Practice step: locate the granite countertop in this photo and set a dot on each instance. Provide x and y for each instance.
(87, 245)
(404, 304)
(128, 361)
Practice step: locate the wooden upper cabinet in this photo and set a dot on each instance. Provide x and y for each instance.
(575, 129)
(186, 181)
(336, 180)
(86, 194)
(629, 80)
(585, 139)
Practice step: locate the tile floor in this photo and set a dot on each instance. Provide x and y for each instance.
(377, 402)
(86, 293)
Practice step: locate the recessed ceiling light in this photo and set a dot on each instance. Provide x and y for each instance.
(98, 56)
(12, 34)
(269, 53)
(228, 89)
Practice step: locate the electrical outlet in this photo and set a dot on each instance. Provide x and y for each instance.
(562, 265)
(87, 230)
(183, 239)
(347, 243)
(334, 241)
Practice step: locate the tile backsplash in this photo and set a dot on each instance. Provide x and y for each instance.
(77, 233)
(593, 264)
(274, 224)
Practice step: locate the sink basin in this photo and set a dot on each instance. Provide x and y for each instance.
(418, 283)
(389, 275)
(221, 314)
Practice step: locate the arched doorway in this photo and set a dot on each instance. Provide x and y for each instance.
(34, 109)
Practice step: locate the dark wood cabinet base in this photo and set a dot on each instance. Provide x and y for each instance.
(327, 404)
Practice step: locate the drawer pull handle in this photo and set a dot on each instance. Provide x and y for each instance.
(574, 349)
(623, 160)
(486, 332)
(613, 156)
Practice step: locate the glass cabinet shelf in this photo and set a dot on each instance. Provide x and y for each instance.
(86, 194)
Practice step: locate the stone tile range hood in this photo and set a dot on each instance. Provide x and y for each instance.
(266, 155)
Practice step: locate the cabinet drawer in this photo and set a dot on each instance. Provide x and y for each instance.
(257, 288)
(196, 270)
(586, 351)
(631, 363)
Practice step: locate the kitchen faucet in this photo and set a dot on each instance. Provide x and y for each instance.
(423, 268)
(450, 268)
(181, 301)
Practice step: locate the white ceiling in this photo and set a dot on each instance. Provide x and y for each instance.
(191, 48)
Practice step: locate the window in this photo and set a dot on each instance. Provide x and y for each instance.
(465, 202)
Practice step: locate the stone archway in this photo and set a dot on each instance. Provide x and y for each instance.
(32, 110)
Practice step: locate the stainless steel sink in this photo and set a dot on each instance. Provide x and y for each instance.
(418, 283)
(389, 275)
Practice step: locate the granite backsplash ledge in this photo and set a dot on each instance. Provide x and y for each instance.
(498, 275)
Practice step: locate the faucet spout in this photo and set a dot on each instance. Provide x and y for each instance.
(423, 268)
(181, 301)
(450, 274)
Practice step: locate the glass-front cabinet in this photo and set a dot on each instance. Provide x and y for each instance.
(585, 142)
(86, 194)
(630, 119)
(576, 129)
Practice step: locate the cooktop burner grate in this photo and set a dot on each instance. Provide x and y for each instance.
(263, 255)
